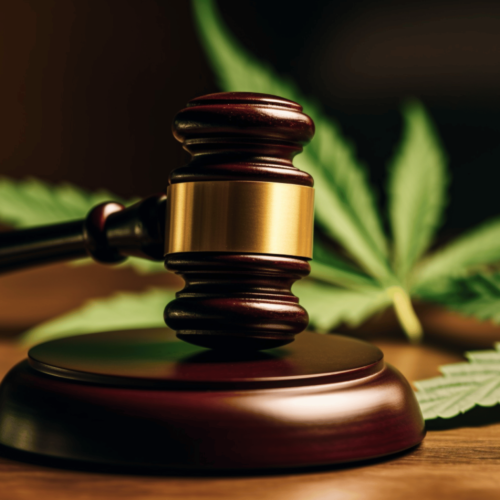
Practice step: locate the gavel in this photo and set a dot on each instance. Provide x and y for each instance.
(236, 224)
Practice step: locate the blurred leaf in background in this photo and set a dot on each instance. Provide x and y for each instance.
(31, 202)
(373, 271)
(417, 190)
(122, 311)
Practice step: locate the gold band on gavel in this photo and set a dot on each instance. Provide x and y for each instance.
(240, 216)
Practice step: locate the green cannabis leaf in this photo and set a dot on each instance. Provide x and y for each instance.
(122, 311)
(329, 267)
(376, 272)
(463, 386)
(477, 248)
(343, 189)
(475, 295)
(346, 208)
(328, 306)
(417, 190)
(31, 202)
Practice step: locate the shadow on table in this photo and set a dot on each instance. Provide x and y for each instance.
(477, 417)
(73, 465)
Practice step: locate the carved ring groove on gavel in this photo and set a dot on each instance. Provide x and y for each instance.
(236, 224)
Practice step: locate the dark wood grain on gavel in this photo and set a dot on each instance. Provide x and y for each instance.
(109, 234)
(239, 301)
(231, 300)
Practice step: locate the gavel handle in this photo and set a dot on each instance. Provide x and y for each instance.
(109, 234)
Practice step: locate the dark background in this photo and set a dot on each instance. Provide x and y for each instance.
(88, 88)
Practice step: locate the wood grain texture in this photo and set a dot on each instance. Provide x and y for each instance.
(239, 301)
(142, 398)
(242, 136)
(458, 464)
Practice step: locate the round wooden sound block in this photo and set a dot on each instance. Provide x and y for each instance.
(142, 397)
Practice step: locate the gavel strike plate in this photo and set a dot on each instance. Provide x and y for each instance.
(144, 398)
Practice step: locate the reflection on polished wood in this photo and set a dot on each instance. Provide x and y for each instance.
(459, 463)
(143, 398)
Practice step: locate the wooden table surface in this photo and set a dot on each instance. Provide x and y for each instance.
(459, 463)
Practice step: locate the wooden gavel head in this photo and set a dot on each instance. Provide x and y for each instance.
(239, 222)
(236, 224)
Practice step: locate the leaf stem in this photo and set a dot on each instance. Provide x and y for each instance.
(405, 313)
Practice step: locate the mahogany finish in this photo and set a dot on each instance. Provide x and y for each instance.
(239, 301)
(109, 234)
(242, 136)
(460, 463)
(144, 398)
(235, 302)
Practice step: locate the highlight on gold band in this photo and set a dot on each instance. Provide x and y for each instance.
(240, 216)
